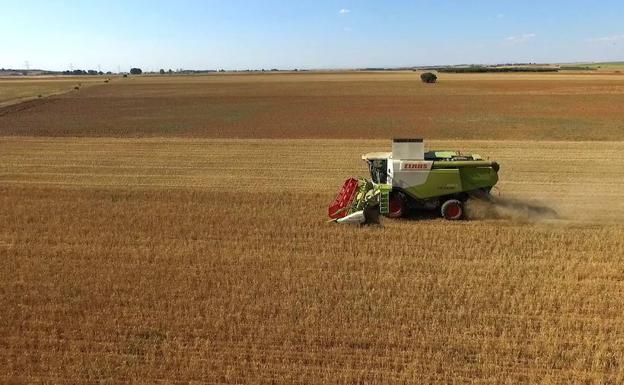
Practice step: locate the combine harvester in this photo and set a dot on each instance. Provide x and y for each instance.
(408, 178)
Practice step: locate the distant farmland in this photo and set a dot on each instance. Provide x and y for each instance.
(335, 105)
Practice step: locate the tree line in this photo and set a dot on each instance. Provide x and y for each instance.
(480, 69)
(133, 71)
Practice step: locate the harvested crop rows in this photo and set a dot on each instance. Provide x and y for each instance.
(208, 260)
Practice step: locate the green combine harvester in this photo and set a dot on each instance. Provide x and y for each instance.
(409, 179)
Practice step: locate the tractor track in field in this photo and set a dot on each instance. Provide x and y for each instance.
(17, 105)
(26, 105)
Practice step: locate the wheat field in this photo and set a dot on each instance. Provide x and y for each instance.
(210, 261)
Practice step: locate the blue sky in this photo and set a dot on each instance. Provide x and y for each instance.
(238, 34)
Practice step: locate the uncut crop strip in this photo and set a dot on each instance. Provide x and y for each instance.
(565, 175)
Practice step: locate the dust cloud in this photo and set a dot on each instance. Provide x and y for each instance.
(509, 209)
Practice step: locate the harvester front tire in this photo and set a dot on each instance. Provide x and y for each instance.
(396, 206)
(371, 214)
(452, 210)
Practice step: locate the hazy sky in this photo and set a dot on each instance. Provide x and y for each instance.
(235, 34)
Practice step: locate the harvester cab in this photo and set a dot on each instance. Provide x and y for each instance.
(409, 179)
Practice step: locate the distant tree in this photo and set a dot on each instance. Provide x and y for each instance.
(92, 72)
(136, 71)
(170, 71)
(428, 77)
(109, 73)
(162, 71)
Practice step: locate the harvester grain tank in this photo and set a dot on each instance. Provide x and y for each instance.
(409, 179)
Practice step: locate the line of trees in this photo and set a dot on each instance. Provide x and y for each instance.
(83, 72)
(577, 68)
(480, 69)
(133, 71)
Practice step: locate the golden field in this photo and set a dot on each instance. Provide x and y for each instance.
(172, 260)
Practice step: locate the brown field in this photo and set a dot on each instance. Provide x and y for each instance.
(209, 261)
(334, 105)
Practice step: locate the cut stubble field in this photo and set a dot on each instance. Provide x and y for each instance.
(17, 90)
(209, 260)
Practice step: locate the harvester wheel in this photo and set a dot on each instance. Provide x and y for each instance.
(371, 215)
(452, 210)
(396, 206)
